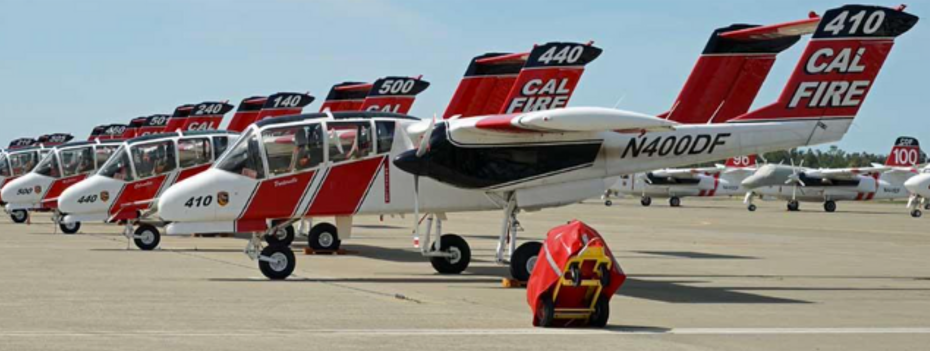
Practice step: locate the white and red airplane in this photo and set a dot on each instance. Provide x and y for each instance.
(21, 157)
(720, 180)
(919, 188)
(796, 183)
(520, 159)
(63, 166)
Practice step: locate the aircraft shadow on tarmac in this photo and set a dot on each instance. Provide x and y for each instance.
(678, 292)
(697, 255)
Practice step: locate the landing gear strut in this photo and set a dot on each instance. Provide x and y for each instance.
(450, 253)
(277, 260)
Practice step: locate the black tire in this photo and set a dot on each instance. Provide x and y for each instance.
(150, 237)
(608, 203)
(605, 275)
(452, 265)
(282, 267)
(69, 228)
(751, 208)
(601, 313)
(793, 206)
(829, 206)
(927, 206)
(916, 213)
(645, 201)
(324, 236)
(574, 272)
(674, 201)
(282, 237)
(524, 259)
(545, 315)
(19, 216)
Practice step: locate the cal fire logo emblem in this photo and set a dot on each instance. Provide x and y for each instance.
(104, 196)
(222, 198)
(38, 189)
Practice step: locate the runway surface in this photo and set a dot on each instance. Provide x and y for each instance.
(706, 276)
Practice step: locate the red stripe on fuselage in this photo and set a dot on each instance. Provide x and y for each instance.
(140, 190)
(344, 187)
(275, 199)
(190, 172)
(57, 187)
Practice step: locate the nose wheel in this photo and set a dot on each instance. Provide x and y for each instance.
(794, 206)
(457, 258)
(277, 262)
(146, 237)
(829, 206)
(674, 201)
(916, 213)
(69, 228)
(19, 216)
(645, 201)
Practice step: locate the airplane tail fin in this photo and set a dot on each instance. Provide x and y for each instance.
(94, 133)
(347, 96)
(283, 104)
(905, 153)
(49, 140)
(153, 124)
(206, 116)
(728, 75)
(132, 130)
(393, 94)
(549, 77)
(113, 131)
(246, 113)
(179, 118)
(23, 142)
(485, 85)
(839, 65)
(741, 162)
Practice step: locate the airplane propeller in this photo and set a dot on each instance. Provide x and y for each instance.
(795, 178)
(422, 148)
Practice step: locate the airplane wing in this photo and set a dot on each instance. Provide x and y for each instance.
(845, 173)
(567, 120)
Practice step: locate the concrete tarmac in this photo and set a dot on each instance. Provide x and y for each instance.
(705, 276)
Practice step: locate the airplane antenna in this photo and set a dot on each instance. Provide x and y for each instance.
(622, 96)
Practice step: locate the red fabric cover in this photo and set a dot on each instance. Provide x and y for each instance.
(565, 242)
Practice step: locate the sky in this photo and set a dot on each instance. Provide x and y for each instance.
(66, 66)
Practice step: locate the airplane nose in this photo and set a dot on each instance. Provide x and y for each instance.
(919, 184)
(409, 162)
(751, 182)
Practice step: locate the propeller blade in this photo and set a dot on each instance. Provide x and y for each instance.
(424, 141)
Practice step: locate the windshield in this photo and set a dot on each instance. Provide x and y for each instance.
(77, 161)
(292, 149)
(4, 166)
(153, 159)
(194, 152)
(117, 167)
(103, 153)
(49, 166)
(23, 162)
(244, 158)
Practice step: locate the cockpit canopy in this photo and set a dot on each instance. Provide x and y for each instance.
(149, 156)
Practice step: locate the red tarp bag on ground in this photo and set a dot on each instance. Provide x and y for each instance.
(573, 244)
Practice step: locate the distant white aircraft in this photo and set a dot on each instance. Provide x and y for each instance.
(919, 187)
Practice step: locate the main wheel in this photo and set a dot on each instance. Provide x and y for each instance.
(524, 259)
(277, 262)
(751, 208)
(608, 203)
(674, 201)
(461, 255)
(645, 201)
(147, 237)
(324, 236)
(829, 206)
(601, 313)
(282, 237)
(793, 205)
(19, 216)
(916, 213)
(927, 206)
(545, 314)
(69, 228)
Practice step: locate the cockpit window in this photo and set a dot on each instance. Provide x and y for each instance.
(220, 144)
(4, 166)
(349, 140)
(154, 158)
(49, 166)
(194, 152)
(23, 162)
(117, 167)
(293, 148)
(77, 161)
(385, 130)
(103, 153)
(244, 158)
